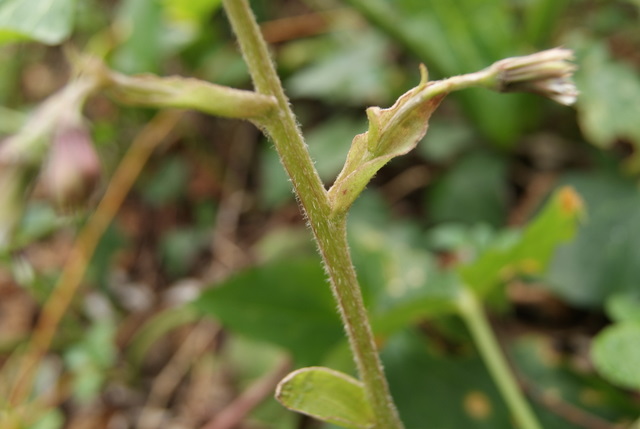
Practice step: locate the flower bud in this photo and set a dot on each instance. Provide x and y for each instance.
(73, 168)
(547, 73)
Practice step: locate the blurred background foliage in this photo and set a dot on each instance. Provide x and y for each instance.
(135, 351)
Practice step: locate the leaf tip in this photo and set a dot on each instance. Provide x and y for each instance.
(424, 75)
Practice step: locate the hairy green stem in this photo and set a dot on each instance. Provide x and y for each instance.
(189, 93)
(329, 232)
(476, 320)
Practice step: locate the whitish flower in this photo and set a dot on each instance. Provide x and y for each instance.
(547, 73)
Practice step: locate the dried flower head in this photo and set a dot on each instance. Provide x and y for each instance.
(547, 73)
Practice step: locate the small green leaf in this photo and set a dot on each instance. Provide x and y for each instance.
(327, 395)
(616, 353)
(46, 21)
(530, 253)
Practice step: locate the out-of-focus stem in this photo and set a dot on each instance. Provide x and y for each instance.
(83, 248)
(477, 323)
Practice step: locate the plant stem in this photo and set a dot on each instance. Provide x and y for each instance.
(476, 320)
(329, 231)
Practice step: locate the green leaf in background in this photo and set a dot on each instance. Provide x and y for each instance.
(46, 21)
(434, 388)
(288, 303)
(623, 307)
(609, 94)
(552, 377)
(155, 328)
(275, 188)
(602, 260)
(401, 281)
(38, 221)
(440, 391)
(356, 72)
(193, 11)
(167, 183)
(140, 28)
(51, 419)
(616, 354)
(446, 139)
(540, 17)
(179, 248)
(327, 395)
(90, 358)
(329, 144)
(458, 198)
(530, 253)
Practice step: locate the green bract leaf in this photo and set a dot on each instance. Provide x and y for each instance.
(531, 252)
(287, 303)
(46, 21)
(616, 353)
(392, 132)
(327, 395)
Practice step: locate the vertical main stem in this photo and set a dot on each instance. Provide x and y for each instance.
(332, 239)
(329, 231)
(485, 340)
